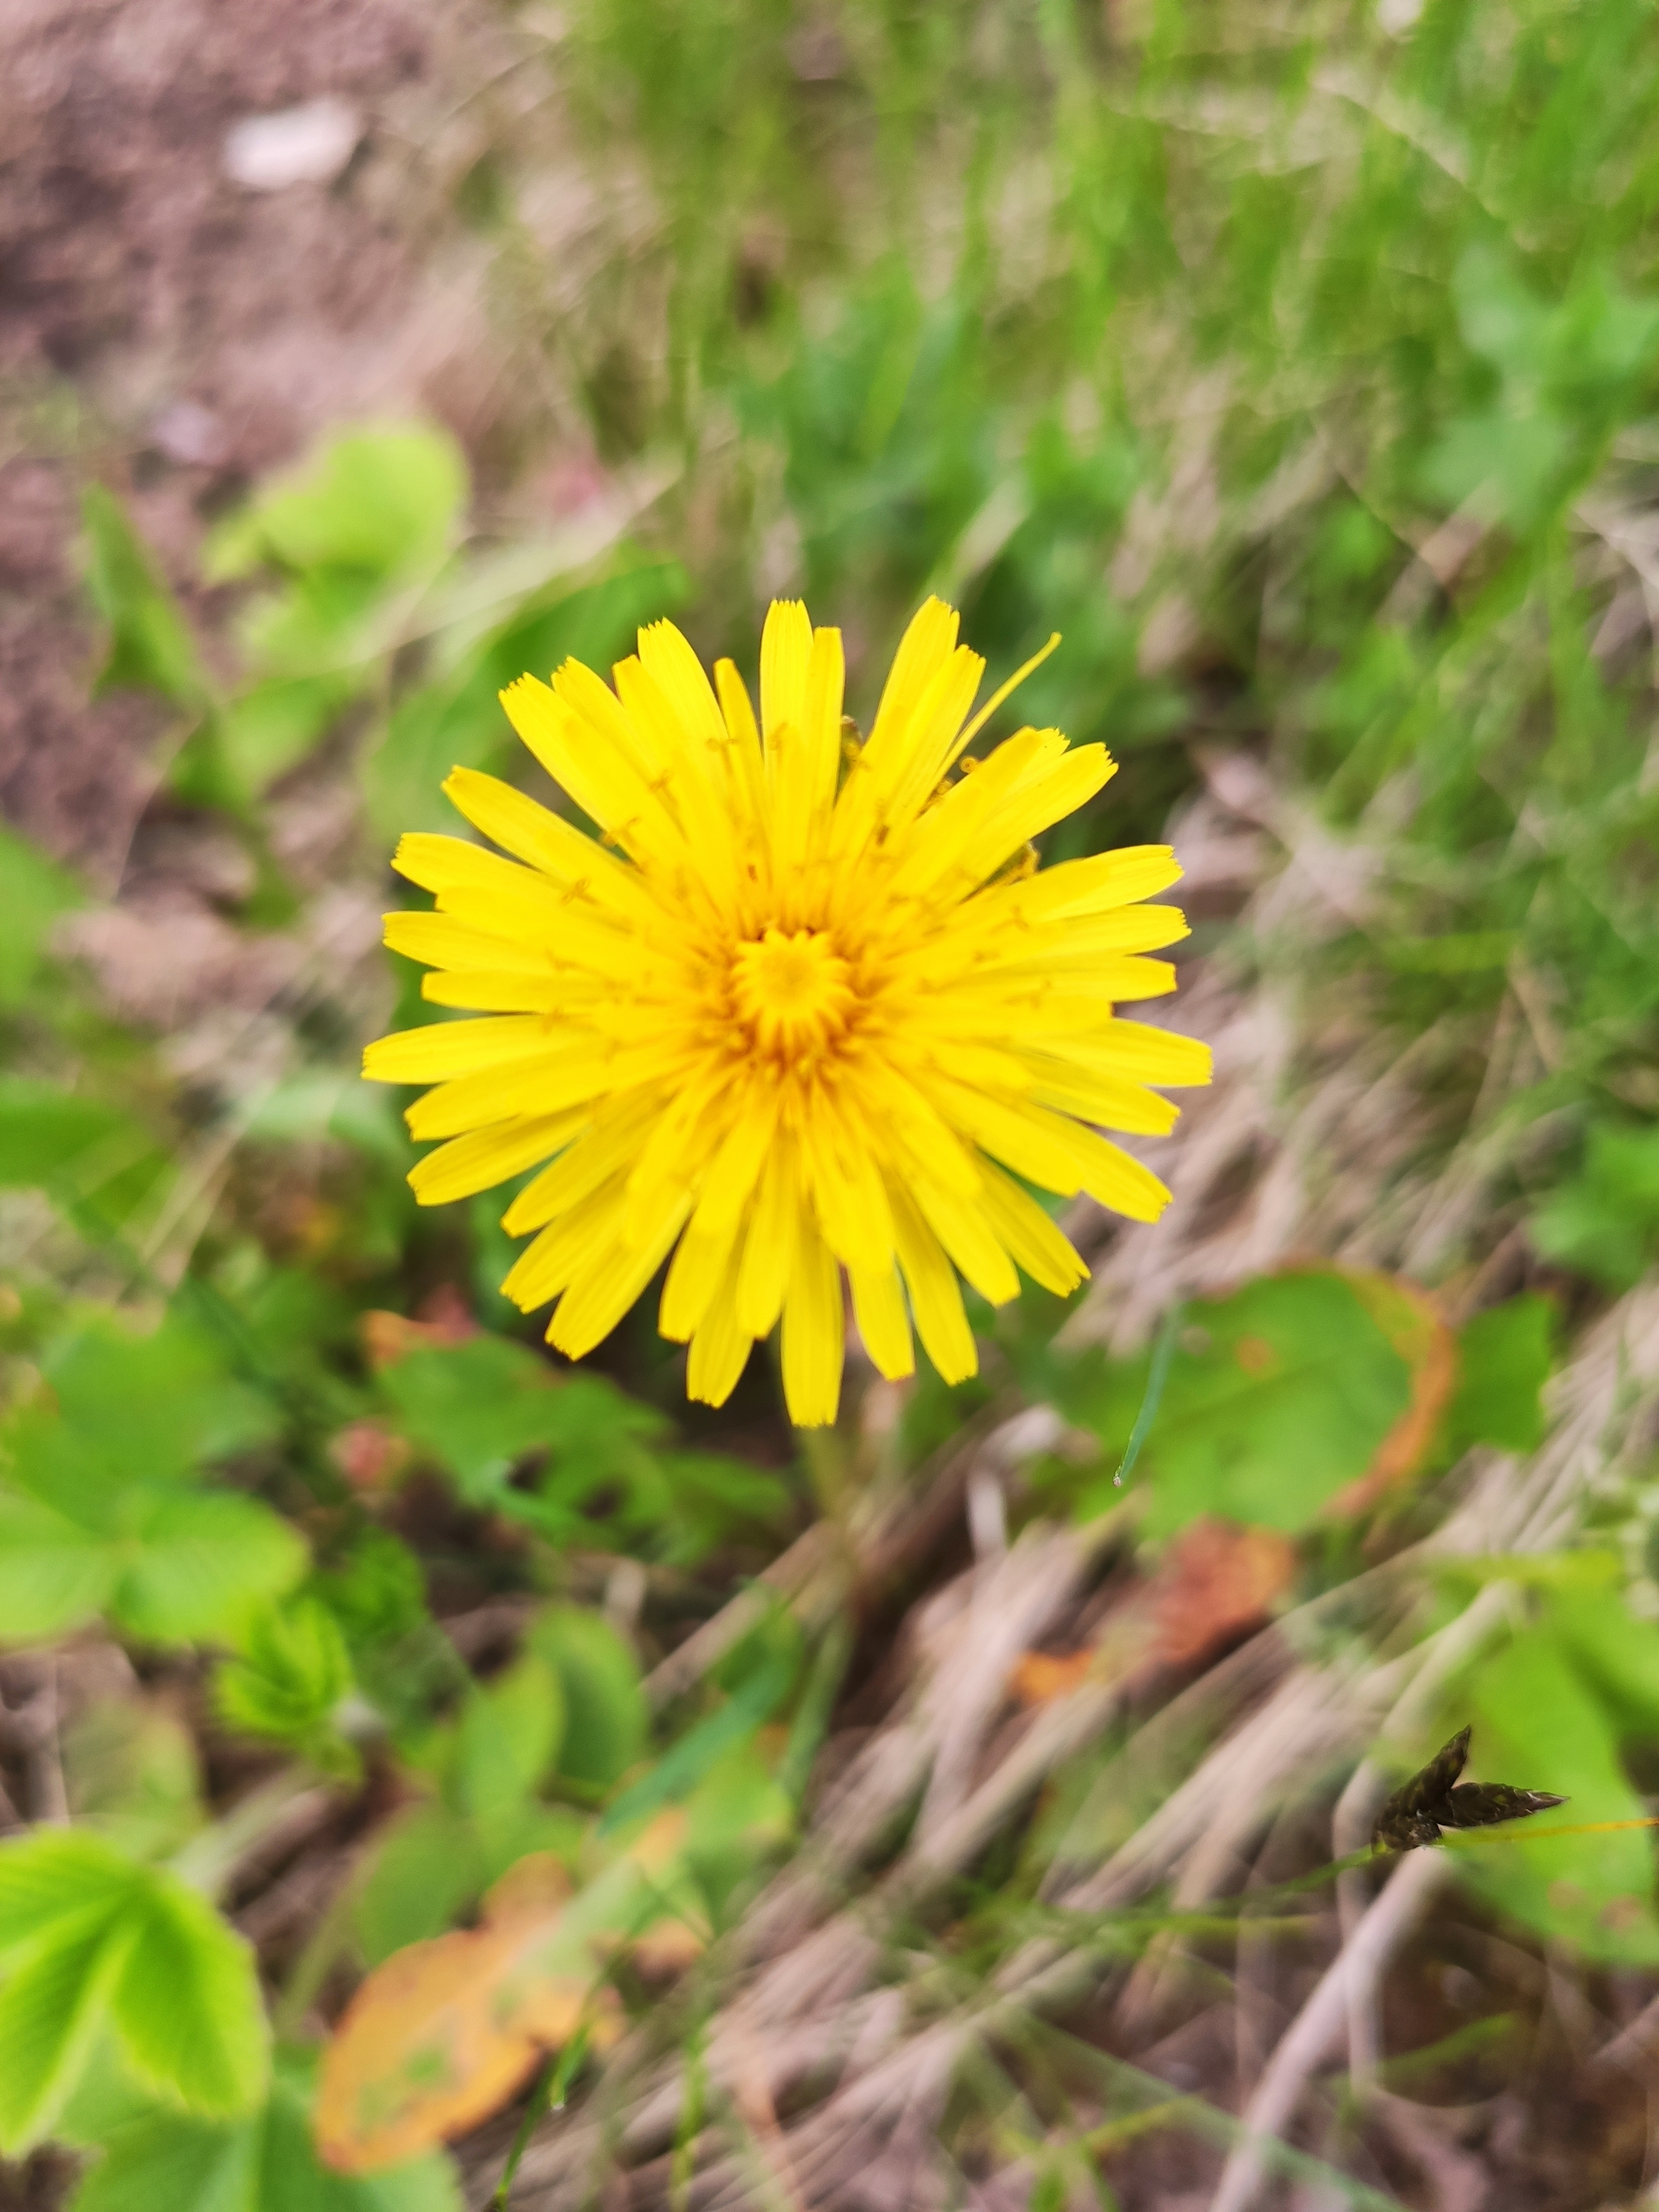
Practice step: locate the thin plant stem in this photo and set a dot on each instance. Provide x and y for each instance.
(1156, 1375)
(552, 2087)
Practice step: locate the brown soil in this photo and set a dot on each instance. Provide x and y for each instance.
(168, 331)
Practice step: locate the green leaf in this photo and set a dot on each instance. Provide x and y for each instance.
(86, 1936)
(292, 1673)
(428, 1866)
(292, 2179)
(1542, 1723)
(151, 1405)
(187, 2005)
(376, 1590)
(272, 727)
(507, 1738)
(55, 1574)
(105, 1522)
(151, 647)
(1506, 1354)
(51, 2007)
(156, 2160)
(197, 1565)
(482, 1408)
(1604, 1221)
(164, 2162)
(476, 1407)
(606, 1719)
(1276, 1398)
(96, 1162)
(33, 892)
(385, 500)
(54, 1882)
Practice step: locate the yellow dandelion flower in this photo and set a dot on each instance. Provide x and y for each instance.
(807, 1008)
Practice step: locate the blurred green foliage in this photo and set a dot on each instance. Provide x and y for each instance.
(1305, 373)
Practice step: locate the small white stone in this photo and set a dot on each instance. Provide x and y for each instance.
(305, 145)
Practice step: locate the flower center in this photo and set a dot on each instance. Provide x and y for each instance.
(795, 993)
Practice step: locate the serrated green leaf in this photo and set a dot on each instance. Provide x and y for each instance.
(54, 1879)
(151, 1405)
(164, 2162)
(154, 2160)
(292, 1672)
(55, 1574)
(187, 2004)
(52, 2005)
(195, 1566)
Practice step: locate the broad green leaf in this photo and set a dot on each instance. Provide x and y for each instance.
(481, 1407)
(507, 1737)
(196, 1567)
(151, 1405)
(156, 2160)
(272, 727)
(428, 1866)
(95, 1160)
(33, 892)
(1506, 1357)
(151, 647)
(187, 2005)
(606, 1721)
(1541, 1722)
(165, 1566)
(86, 1936)
(1615, 1653)
(166, 2162)
(1276, 1398)
(477, 1408)
(52, 2006)
(53, 1881)
(382, 500)
(55, 1574)
(1604, 1221)
(290, 1673)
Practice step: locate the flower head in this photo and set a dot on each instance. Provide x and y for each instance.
(806, 1007)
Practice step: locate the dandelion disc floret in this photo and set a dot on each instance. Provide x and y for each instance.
(807, 1011)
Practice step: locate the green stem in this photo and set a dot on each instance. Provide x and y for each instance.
(552, 2086)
